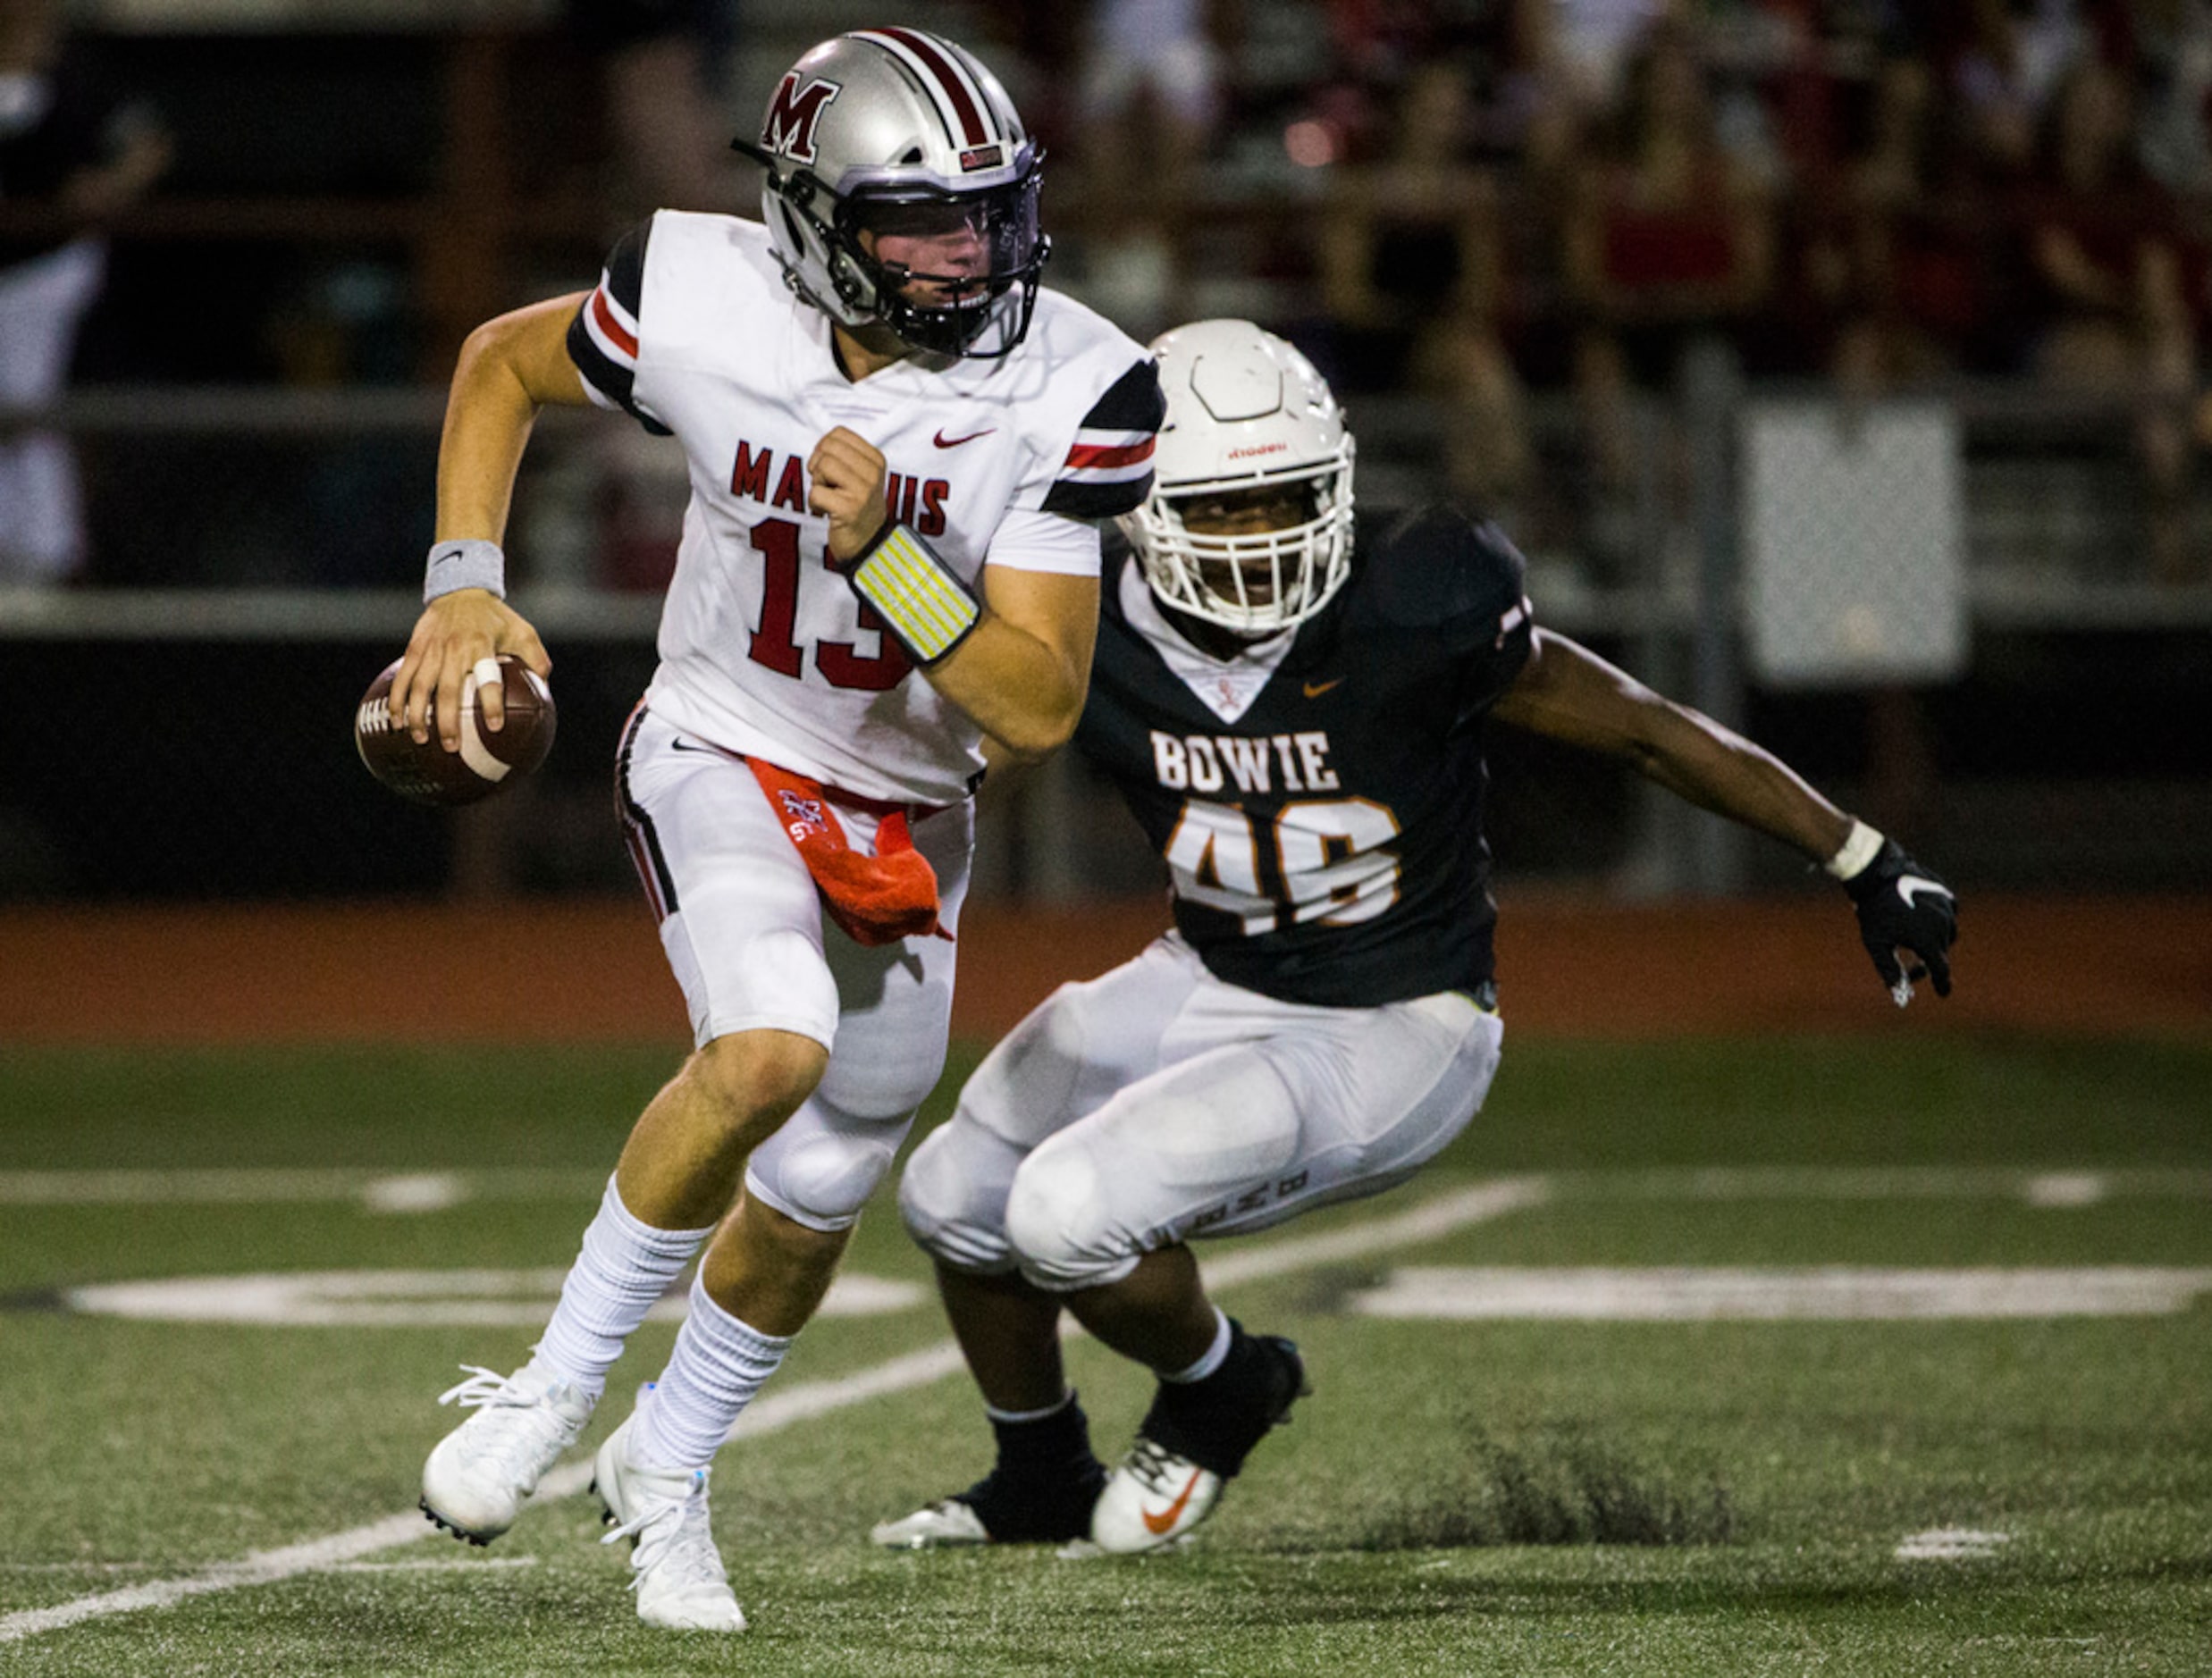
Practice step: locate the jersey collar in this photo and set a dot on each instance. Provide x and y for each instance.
(1226, 687)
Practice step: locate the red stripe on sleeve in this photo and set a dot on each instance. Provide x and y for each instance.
(1127, 454)
(623, 341)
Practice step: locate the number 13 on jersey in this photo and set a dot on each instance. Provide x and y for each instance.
(774, 643)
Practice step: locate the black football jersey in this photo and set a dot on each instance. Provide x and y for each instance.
(1326, 845)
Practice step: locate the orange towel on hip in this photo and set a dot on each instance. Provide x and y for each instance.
(876, 900)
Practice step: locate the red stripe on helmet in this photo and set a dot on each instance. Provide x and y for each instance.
(972, 121)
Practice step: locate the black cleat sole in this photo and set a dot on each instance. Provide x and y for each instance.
(444, 1526)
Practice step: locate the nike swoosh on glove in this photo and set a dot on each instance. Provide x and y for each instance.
(1904, 906)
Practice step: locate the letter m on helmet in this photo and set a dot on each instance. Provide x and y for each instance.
(792, 114)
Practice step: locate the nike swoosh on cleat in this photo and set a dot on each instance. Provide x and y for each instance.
(1157, 1525)
(1913, 884)
(1315, 690)
(942, 441)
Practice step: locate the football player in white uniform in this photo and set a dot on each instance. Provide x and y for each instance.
(1301, 737)
(896, 440)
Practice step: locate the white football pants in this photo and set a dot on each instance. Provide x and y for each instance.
(745, 934)
(1157, 1102)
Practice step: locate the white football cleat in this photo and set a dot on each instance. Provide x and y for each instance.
(680, 1582)
(478, 1477)
(1159, 1492)
(1151, 1499)
(944, 1524)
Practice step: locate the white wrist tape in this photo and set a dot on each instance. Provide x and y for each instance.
(465, 562)
(1860, 847)
(928, 609)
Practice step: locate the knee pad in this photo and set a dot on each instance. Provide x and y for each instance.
(1062, 1229)
(953, 1197)
(822, 1163)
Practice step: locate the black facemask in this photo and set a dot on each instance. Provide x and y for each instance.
(982, 314)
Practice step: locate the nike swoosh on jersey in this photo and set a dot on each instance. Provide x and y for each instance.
(942, 441)
(1315, 690)
(1913, 884)
(1157, 1524)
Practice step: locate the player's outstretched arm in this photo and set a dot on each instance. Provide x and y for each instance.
(1568, 693)
(509, 369)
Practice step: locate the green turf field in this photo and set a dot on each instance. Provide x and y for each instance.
(1778, 1428)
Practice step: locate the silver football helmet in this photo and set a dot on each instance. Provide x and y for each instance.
(899, 131)
(1245, 412)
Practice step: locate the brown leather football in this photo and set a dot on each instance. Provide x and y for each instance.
(427, 773)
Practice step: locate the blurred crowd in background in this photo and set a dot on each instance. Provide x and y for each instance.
(1480, 203)
(1562, 194)
(1582, 265)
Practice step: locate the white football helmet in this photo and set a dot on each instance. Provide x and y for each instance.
(900, 131)
(1245, 411)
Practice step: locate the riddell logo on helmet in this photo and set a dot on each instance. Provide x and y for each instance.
(792, 114)
(1259, 449)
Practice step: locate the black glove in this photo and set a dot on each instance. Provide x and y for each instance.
(1903, 906)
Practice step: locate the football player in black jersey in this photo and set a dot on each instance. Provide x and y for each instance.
(1301, 737)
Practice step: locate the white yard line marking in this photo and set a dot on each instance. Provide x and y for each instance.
(409, 1299)
(153, 1187)
(411, 1192)
(2061, 1190)
(424, 1191)
(780, 1409)
(403, 1192)
(416, 1192)
(1887, 1182)
(476, 1567)
(1834, 1294)
(262, 1567)
(1950, 1544)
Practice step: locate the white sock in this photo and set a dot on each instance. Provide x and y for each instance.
(718, 1365)
(621, 1274)
(1215, 1356)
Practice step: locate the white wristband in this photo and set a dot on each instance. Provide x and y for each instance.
(465, 562)
(1860, 847)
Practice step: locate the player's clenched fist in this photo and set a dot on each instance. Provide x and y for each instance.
(847, 473)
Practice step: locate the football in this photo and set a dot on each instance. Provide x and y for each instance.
(427, 773)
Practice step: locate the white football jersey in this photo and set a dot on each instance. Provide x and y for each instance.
(764, 649)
